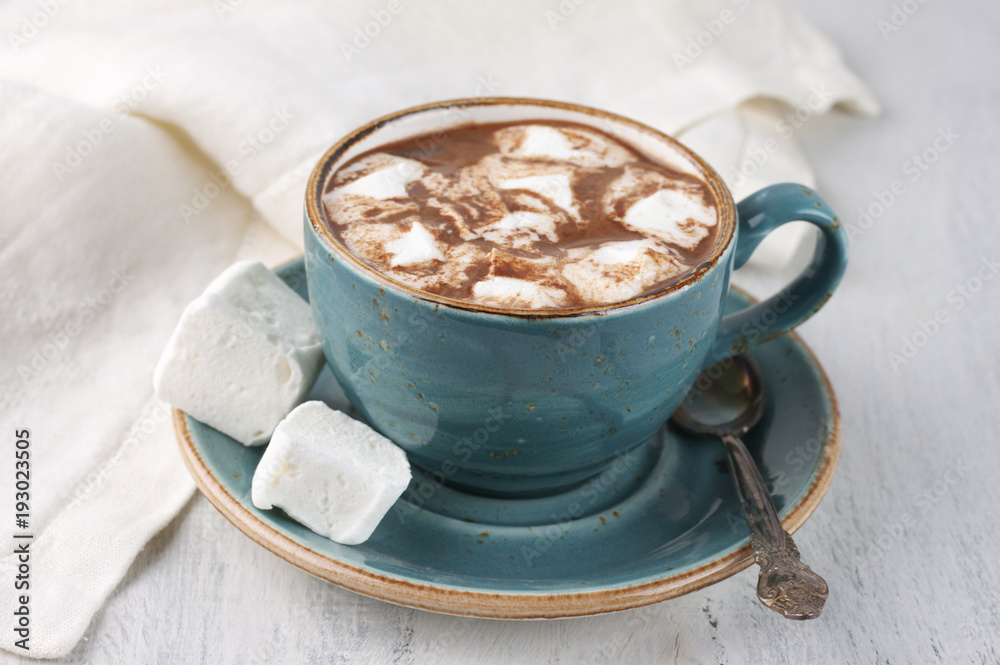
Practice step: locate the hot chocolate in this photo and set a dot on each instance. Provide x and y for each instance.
(525, 215)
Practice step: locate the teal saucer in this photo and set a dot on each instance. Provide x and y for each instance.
(660, 522)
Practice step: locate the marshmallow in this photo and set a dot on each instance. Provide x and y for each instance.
(370, 240)
(381, 183)
(515, 281)
(544, 141)
(331, 473)
(519, 293)
(389, 181)
(537, 223)
(555, 188)
(675, 212)
(416, 246)
(576, 145)
(671, 215)
(619, 271)
(243, 355)
(619, 252)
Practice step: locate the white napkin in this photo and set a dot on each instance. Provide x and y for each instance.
(145, 146)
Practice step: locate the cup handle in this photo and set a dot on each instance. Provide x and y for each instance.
(758, 215)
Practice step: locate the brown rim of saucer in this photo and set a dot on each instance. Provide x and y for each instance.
(512, 605)
(317, 214)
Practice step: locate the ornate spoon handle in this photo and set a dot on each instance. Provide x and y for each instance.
(785, 584)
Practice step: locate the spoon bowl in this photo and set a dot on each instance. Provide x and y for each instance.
(727, 398)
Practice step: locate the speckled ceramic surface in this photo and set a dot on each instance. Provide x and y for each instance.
(525, 402)
(659, 523)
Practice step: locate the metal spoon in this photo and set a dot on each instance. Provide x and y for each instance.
(729, 404)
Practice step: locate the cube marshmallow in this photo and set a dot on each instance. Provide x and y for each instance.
(333, 474)
(244, 354)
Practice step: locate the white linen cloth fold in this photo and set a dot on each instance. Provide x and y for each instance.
(146, 146)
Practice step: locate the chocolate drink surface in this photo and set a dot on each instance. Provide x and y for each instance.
(522, 215)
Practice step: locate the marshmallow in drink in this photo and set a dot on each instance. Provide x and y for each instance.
(331, 473)
(675, 213)
(509, 227)
(388, 181)
(519, 293)
(671, 215)
(575, 145)
(416, 246)
(243, 355)
(620, 270)
(534, 291)
(556, 188)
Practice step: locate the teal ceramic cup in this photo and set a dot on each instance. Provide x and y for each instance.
(524, 403)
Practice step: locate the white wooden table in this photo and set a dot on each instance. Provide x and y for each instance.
(908, 534)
